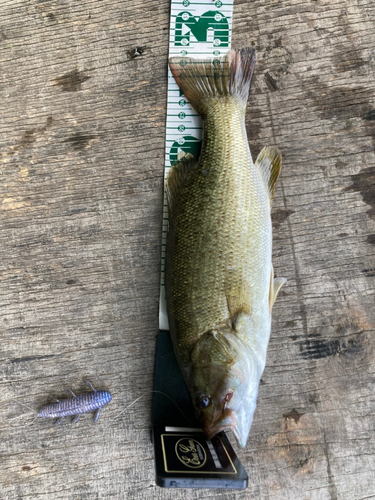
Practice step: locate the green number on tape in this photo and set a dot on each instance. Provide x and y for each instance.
(187, 144)
(199, 27)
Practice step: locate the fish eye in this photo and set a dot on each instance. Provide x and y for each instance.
(205, 402)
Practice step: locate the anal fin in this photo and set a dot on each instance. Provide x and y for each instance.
(275, 286)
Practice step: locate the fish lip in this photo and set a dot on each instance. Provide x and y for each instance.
(215, 429)
(217, 425)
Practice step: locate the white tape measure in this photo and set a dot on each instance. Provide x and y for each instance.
(198, 29)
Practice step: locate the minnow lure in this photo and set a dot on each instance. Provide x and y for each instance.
(75, 406)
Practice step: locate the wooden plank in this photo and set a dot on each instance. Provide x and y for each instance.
(82, 148)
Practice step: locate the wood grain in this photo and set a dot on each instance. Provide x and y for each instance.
(82, 147)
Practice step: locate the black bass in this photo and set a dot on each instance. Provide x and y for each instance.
(219, 276)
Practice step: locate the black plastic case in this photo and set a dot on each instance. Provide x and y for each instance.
(184, 458)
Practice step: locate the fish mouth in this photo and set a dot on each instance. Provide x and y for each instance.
(225, 421)
(213, 430)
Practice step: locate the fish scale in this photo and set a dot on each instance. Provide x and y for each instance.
(202, 28)
(221, 217)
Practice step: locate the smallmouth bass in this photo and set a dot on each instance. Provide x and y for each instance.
(220, 287)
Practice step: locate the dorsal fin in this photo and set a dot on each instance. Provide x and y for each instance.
(269, 163)
(176, 179)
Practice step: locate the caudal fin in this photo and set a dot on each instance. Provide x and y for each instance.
(203, 79)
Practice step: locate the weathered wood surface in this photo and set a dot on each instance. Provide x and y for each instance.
(82, 148)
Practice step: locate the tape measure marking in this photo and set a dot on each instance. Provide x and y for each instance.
(197, 29)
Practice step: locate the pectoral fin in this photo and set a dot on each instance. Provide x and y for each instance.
(269, 163)
(275, 286)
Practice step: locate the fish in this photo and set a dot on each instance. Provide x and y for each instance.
(220, 285)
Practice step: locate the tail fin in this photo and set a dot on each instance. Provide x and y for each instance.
(202, 79)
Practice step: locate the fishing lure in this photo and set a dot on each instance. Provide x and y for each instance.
(75, 406)
(84, 403)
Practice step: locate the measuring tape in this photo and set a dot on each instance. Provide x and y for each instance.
(199, 29)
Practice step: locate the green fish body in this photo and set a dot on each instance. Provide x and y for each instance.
(219, 276)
